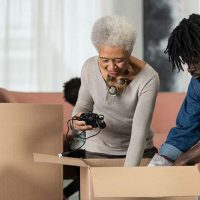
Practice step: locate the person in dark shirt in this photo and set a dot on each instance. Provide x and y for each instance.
(70, 94)
(183, 47)
(71, 89)
(187, 131)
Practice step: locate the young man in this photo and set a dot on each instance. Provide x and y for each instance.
(70, 92)
(184, 48)
(71, 89)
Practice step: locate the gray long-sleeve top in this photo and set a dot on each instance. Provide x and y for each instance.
(128, 118)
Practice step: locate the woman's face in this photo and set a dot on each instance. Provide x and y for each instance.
(113, 59)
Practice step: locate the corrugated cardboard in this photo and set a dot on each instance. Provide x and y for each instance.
(24, 129)
(107, 179)
(153, 178)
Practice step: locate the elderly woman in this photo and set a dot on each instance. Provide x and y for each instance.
(123, 89)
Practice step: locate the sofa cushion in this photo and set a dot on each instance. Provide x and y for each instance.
(165, 113)
(166, 110)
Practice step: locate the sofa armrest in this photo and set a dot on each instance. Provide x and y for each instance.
(6, 96)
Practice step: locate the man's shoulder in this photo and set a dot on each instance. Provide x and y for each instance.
(194, 88)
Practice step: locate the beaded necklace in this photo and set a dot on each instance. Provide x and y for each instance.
(115, 89)
(116, 86)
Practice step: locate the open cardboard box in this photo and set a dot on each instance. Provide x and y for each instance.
(107, 179)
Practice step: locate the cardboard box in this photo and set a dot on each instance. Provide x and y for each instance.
(107, 179)
(24, 129)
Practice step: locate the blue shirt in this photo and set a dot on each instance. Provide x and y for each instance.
(187, 130)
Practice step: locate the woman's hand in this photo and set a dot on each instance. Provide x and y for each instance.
(80, 125)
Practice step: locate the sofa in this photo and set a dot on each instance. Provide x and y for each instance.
(164, 116)
(7, 96)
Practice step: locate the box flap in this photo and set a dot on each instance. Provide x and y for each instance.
(104, 162)
(145, 181)
(114, 162)
(45, 158)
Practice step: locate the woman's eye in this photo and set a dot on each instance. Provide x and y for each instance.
(119, 61)
(104, 61)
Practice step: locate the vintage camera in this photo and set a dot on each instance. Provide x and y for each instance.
(79, 138)
(93, 119)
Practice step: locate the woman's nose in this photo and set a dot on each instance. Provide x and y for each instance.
(111, 64)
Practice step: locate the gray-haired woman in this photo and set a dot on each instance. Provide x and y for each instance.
(120, 87)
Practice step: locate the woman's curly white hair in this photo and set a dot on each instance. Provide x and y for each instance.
(114, 31)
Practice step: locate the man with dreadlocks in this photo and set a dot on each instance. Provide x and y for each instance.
(182, 144)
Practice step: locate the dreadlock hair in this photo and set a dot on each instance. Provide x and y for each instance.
(71, 90)
(184, 43)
